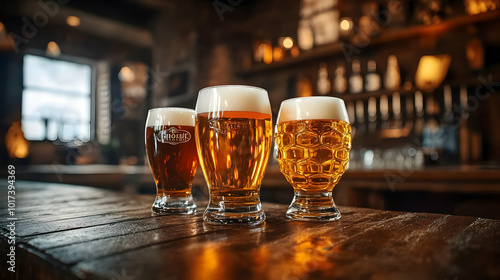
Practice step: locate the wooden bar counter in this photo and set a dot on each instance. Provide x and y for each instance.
(77, 232)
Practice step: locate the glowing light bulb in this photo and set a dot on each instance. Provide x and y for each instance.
(73, 21)
(345, 25)
(288, 42)
(53, 49)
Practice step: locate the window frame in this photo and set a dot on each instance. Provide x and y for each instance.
(72, 59)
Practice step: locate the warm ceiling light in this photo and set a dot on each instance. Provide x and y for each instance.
(16, 144)
(73, 21)
(295, 51)
(126, 74)
(278, 54)
(431, 71)
(287, 43)
(53, 49)
(268, 53)
(345, 25)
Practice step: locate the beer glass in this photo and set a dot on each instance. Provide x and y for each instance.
(172, 156)
(233, 137)
(313, 140)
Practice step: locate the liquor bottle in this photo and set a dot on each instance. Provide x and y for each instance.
(324, 85)
(360, 124)
(409, 114)
(450, 129)
(356, 80)
(305, 37)
(372, 115)
(384, 112)
(396, 123)
(432, 133)
(354, 153)
(372, 79)
(471, 148)
(360, 116)
(392, 75)
(374, 144)
(418, 124)
(464, 133)
(340, 82)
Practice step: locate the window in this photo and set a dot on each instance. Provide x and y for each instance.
(56, 99)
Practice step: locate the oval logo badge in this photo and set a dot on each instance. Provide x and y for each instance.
(173, 136)
(224, 126)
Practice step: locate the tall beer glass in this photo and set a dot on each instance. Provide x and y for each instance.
(313, 140)
(233, 137)
(172, 156)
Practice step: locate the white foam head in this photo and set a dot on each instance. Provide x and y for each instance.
(170, 116)
(233, 98)
(313, 108)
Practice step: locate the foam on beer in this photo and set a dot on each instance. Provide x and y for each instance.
(171, 116)
(313, 108)
(233, 98)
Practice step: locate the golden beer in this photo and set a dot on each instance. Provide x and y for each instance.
(313, 140)
(313, 154)
(234, 152)
(172, 156)
(233, 147)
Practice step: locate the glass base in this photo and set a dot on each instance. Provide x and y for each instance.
(247, 215)
(313, 207)
(174, 205)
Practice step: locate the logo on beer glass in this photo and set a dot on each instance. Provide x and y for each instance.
(174, 136)
(224, 126)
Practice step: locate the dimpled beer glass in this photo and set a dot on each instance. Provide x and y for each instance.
(233, 137)
(313, 140)
(171, 150)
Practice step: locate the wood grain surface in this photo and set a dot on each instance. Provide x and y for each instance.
(77, 232)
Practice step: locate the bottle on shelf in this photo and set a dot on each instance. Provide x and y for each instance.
(384, 112)
(360, 117)
(414, 124)
(396, 123)
(351, 113)
(359, 142)
(432, 133)
(340, 81)
(305, 37)
(464, 134)
(353, 155)
(356, 80)
(324, 84)
(392, 76)
(418, 124)
(374, 151)
(471, 138)
(450, 130)
(372, 116)
(372, 79)
(409, 114)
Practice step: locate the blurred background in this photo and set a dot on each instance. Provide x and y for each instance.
(420, 79)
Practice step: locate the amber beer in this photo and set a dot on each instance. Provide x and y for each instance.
(171, 150)
(313, 140)
(233, 137)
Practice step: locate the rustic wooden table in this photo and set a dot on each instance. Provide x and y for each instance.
(75, 232)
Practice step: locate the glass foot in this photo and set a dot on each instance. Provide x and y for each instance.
(248, 215)
(174, 205)
(313, 207)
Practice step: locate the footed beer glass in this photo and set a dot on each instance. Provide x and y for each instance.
(233, 137)
(172, 156)
(313, 140)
